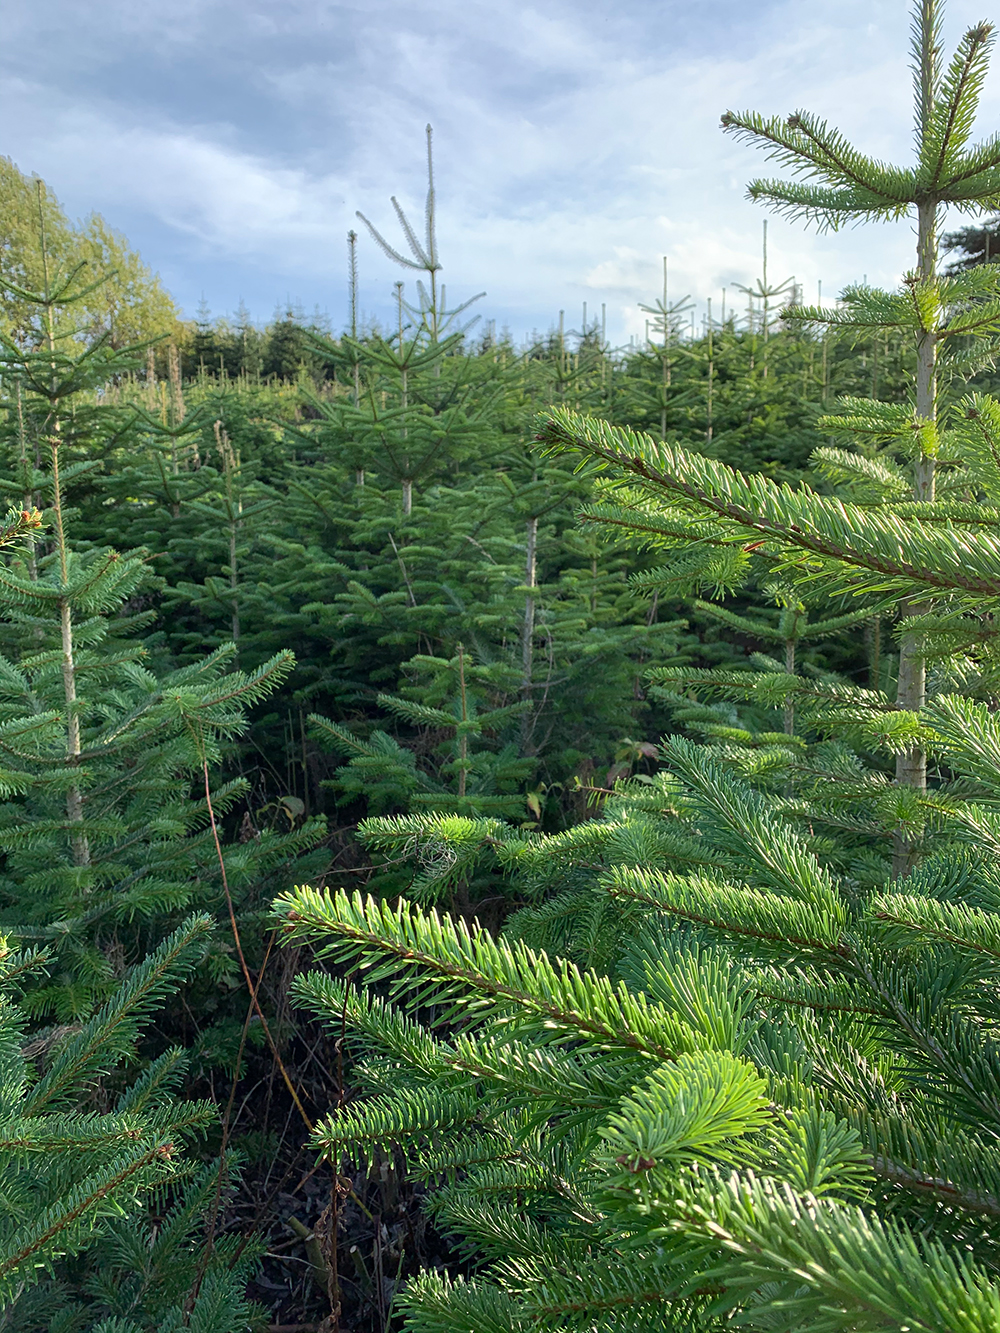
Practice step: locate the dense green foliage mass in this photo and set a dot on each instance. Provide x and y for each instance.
(609, 735)
(733, 1059)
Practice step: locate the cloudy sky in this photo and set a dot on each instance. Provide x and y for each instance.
(576, 142)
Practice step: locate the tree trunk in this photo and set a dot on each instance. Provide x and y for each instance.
(234, 585)
(528, 625)
(789, 714)
(74, 799)
(666, 384)
(710, 427)
(463, 740)
(29, 500)
(911, 765)
(873, 638)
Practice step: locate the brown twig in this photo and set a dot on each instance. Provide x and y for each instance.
(254, 1006)
(255, 1003)
(209, 1245)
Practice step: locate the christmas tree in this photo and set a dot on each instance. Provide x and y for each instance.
(759, 1083)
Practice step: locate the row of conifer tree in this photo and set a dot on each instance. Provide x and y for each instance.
(642, 870)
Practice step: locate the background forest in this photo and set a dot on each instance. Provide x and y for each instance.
(629, 713)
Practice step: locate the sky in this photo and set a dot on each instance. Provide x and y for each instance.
(576, 142)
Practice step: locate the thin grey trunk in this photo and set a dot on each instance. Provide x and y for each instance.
(766, 308)
(666, 354)
(178, 411)
(463, 740)
(29, 501)
(234, 584)
(528, 624)
(911, 765)
(826, 384)
(709, 428)
(789, 711)
(152, 391)
(74, 798)
(352, 255)
(874, 634)
(359, 475)
(79, 844)
(234, 508)
(404, 403)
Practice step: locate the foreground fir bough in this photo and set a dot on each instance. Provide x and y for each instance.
(778, 1099)
(77, 1179)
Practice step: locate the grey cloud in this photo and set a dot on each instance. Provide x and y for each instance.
(576, 142)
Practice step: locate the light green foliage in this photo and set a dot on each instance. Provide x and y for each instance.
(783, 1099)
(851, 548)
(852, 186)
(128, 304)
(131, 306)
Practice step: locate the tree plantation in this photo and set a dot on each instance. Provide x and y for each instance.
(505, 837)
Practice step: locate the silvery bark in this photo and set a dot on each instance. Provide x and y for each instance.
(911, 765)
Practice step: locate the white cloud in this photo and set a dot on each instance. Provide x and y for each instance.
(574, 146)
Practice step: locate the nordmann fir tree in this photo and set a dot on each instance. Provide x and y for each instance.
(400, 419)
(412, 418)
(842, 186)
(230, 520)
(417, 408)
(104, 823)
(757, 1085)
(786, 629)
(666, 325)
(451, 700)
(476, 768)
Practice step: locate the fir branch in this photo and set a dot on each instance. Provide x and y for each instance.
(403, 941)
